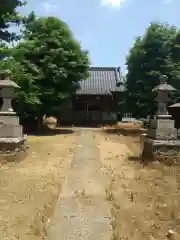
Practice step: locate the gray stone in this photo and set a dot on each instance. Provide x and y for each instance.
(11, 131)
(9, 120)
(162, 98)
(162, 135)
(12, 139)
(161, 123)
(162, 129)
(155, 148)
(13, 149)
(9, 126)
(10, 144)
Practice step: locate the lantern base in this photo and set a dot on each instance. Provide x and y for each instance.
(12, 143)
(9, 126)
(167, 150)
(13, 149)
(8, 113)
(162, 129)
(10, 131)
(167, 116)
(12, 140)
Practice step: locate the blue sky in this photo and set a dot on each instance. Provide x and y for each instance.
(107, 28)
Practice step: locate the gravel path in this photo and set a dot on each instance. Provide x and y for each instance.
(82, 212)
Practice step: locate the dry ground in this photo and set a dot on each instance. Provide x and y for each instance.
(29, 190)
(145, 199)
(122, 125)
(132, 129)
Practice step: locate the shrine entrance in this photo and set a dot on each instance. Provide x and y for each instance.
(88, 113)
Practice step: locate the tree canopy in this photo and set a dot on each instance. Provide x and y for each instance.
(47, 65)
(8, 16)
(153, 54)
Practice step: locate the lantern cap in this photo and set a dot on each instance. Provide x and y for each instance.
(164, 88)
(5, 81)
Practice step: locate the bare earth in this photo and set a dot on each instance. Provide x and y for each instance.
(30, 189)
(144, 200)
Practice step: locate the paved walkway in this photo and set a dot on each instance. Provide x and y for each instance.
(82, 212)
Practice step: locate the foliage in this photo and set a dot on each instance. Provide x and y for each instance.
(8, 16)
(173, 61)
(47, 66)
(149, 58)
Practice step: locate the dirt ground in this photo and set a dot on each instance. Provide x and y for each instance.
(145, 199)
(29, 189)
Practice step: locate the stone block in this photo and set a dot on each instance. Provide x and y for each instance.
(163, 133)
(13, 149)
(161, 123)
(166, 148)
(9, 120)
(11, 144)
(162, 129)
(11, 131)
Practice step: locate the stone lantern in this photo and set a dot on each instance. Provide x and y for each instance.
(7, 93)
(162, 134)
(11, 132)
(163, 90)
(162, 127)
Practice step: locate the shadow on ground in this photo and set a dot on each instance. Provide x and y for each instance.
(125, 132)
(138, 158)
(52, 132)
(166, 160)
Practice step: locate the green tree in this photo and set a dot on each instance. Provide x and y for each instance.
(8, 16)
(47, 66)
(173, 61)
(148, 59)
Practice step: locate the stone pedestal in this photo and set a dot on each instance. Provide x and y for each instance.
(166, 150)
(9, 126)
(162, 129)
(161, 140)
(13, 143)
(12, 140)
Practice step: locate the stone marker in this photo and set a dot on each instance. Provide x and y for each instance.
(162, 134)
(12, 139)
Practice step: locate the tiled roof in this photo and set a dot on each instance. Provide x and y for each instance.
(101, 80)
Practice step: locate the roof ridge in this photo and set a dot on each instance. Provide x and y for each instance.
(101, 80)
(102, 68)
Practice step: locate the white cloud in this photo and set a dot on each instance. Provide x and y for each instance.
(48, 7)
(113, 3)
